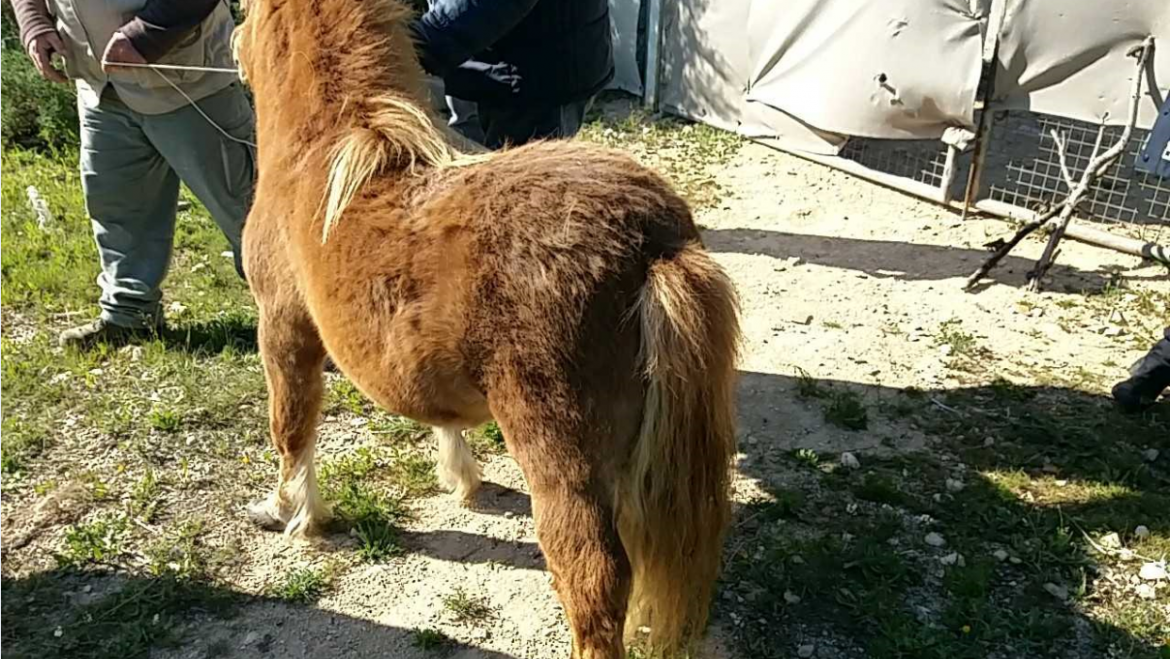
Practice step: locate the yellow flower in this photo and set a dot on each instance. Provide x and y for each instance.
(966, 629)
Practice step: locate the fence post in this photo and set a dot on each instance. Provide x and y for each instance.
(653, 54)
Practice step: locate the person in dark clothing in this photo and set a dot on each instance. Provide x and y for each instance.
(1150, 376)
(531, 66)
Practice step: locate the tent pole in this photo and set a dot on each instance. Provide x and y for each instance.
(653, 54)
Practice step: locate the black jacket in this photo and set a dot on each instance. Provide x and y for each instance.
(547, 51)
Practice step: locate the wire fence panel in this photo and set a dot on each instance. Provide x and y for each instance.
(1021, 168)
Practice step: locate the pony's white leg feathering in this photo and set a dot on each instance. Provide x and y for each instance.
(457, 469)
(302, 498)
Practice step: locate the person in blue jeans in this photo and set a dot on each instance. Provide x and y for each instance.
(141, 134)
(1149, 378)
(532, 67)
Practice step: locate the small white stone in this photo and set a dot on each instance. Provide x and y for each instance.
(935, 540)
(58, 632)
(805, 651)
(1153, 571)
(1141, 532)
(1000, 555)
(1146, 591)
(1151, 454)
(1114, 331)
(988, 442)
(1110, 541)
(251, 637)
(1015, 560)
(791, 597)
(950, 559)
(1059, 592)
(955, 485)
(850, 461)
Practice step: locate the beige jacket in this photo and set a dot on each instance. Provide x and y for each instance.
(86, 27)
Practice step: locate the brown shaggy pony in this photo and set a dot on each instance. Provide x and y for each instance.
(560, 289)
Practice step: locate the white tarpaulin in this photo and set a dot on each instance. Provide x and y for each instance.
(1067, 57)
(893, 69)
(809, 72)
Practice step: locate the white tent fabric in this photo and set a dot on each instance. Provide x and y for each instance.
(1068, 58)
(806, 73)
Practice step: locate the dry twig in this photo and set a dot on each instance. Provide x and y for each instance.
(1099, 163)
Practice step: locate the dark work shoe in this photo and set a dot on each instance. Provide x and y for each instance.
(1150, 376)
(90, 334)
(1137, 393)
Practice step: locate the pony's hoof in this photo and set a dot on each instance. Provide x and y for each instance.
(260, 513)
(462, 488)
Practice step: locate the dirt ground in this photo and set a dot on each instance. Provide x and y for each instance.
(841, 278)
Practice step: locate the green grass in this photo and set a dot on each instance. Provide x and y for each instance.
(809, 387)
(302, 586)
(96, 542)
(685, 153)
(848, 557)
(807, 457)
(466, 608)
(845, 410)
(429, 639)
(151, 442)
(487, 440)
(145, 498)
(841, 407)
(354, 485)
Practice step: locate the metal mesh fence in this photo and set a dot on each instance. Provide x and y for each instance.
(917, 160)
(1022, 168)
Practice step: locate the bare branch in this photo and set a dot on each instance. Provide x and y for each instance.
(1061, 152)
(1099, 163)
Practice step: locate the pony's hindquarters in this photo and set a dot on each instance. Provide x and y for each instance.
(673, 506)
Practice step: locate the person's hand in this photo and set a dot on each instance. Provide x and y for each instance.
(120, 50)
(41, 49)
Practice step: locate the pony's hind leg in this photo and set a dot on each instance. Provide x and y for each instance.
(573, 505)
(457, 470)
(293, 364)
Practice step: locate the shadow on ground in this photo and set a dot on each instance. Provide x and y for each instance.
(895, 259)
(1011, 478)
(119, 616)
(205, 338)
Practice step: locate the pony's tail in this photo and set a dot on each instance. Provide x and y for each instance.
(673, 508)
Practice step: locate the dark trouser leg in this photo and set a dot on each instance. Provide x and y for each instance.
(516, 124)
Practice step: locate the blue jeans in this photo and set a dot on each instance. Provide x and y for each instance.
(131, 166)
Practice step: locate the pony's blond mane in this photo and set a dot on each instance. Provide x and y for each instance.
(388, 129)
(397, 132)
